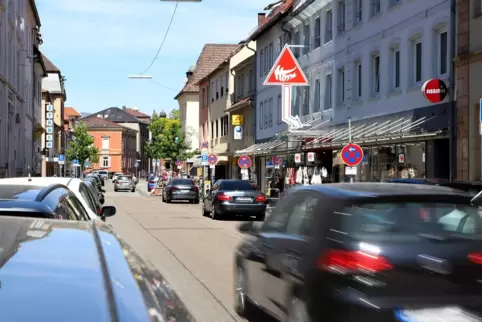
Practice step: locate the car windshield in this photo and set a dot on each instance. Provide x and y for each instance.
(410, 221)
(124, 178)
(182, 182)
(236, 185)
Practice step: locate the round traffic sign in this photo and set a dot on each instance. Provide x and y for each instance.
(277, 160)
(179, 163)
(352, 154)
(434, 90)
(212, 159)
(244, 162)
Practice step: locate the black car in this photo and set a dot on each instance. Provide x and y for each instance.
(180, 189)
(234, 197)
(365, 252)
(97, 180)
(78, 271)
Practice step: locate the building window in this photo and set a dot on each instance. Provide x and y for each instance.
(270, 57)
(250, 80)
(442, 53)
(217, 129)
(261, 115)
(317, 98)
(280, 44)
(306, 39)
(341, 85)
(297, 41)
(261, 62)
(226, 125)
(317, 32)
(105, 143)
(375, 7)
(270, 116)
(341, 17)
(329, 26)
(280, 111)
(358, 11)
(265, 115)
(328, 92)
(358, 77)
(306, 100)
(396, 68)
(105, 162)
(212, 130)
(376, 74)
(394, 2)
(266, 60)
(418, 61)
(213, 91)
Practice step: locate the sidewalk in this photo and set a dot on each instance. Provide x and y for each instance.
(141, 189)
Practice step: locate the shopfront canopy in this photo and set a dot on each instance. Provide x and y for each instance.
(261, 148)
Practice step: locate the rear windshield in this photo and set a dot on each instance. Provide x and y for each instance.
(124, 178)
(103, 172)
(240, 185)
(19, 192)
(183, 182)
(410, 221)
(25, 214)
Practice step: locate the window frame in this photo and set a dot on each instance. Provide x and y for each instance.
(439, 52)
(328, 92)
(341, 85)
(317, 32)
(359, 79)
(376, 75)
(358, 19)
(103, 159)
(341, 15)
(328, 25)
(105, 139)
(416, 43)
(261, 114)
(375, 7)
(396, 71)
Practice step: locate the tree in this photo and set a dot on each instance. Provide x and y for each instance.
(81, 147)
(168, 141)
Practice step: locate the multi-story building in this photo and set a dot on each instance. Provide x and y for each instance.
(117, 144)
(242, 66)
(54, 85)
(21, 71)
(220, 81)
(468, 70)
(71, 117)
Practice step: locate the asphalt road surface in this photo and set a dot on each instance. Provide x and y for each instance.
(194, 253)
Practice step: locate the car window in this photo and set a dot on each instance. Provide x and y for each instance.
(76, 207)
(64, 210)
(238, 185)
(124, 178)
(53, 199)
(183, 182)
(278, 219)
(84, 192)
(301, 219)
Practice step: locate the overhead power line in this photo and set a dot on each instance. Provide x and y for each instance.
(163, 40)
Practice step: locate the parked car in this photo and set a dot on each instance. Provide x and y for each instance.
(151, 183)
(234, 197)
(125, 183)
(114, 177)
(103, 174)
(99, 198)
(180, 189)
(364, 252)
(413, 181)
(48, 262)
(80, 189)
(97, 181)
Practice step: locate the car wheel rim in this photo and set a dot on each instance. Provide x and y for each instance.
(240, 295)
(298, 311)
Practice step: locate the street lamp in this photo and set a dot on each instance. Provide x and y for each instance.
(139, 77)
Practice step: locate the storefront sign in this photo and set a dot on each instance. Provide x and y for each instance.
(434, 90)
(298, 157)
(401, 158)
(352, 154)
(238, 132)
(311, 156)
(286, 72)
(49, 130)
(237, 120)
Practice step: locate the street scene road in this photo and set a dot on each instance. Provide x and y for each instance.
(194, 253)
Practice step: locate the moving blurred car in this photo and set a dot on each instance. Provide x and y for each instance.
(43, 260)
(80, 189)
(114, 177)
(234, 197)
(365, 252)
(125, 183)
(180, 189)
(413, 181)
(151, 183)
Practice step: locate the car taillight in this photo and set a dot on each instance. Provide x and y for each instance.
(223, 197)
(99, 211)
(116, 182)
(174, 188)
(475, 258)
(341, 261)
(195, 188)
(150, 181)
(261, 198)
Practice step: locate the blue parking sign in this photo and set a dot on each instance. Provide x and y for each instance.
(61, 157)
(204, 159)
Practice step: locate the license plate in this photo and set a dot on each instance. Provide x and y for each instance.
(446, 314)
(184, 191)
(244, 199)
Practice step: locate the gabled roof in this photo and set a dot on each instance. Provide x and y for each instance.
(116, 115)
(210, 58)
(49, 66)
(70, 112)
(136, 113)
(95, 122)
(222, 63)
(273, 17)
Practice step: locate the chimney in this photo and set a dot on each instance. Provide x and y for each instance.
(261, 18)
(124, 107)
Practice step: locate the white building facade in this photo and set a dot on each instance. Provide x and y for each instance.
(21, 72)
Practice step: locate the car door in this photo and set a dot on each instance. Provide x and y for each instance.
(75, 206)
(256, 265)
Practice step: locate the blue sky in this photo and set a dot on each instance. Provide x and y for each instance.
(98, 43)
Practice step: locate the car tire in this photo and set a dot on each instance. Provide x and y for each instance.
(297, 310)
(133, 190)
(115, 190)
(242, 305)
(196, 201)
(168, 200)
(261, 217)
(215, 215)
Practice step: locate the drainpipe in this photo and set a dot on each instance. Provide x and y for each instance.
(453, 111)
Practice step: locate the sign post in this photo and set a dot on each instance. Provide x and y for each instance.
(286, 72)
(244, 162)
(213, 159)
(351, 155)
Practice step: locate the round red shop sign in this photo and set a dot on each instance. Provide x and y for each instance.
(434, 90)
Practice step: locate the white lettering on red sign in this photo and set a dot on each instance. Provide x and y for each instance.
(284, 75)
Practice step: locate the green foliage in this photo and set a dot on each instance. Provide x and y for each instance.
(81, 146)
(167, 140)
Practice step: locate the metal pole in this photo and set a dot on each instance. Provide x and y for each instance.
(349, 141)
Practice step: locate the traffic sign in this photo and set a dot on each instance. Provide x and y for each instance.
(212, 159)
(136, 165)
(352, 154)
(179, 163)
(277, 160)
(244, 162)
(204, 159)
(434, 90)
(76, 163)
(286, 70)
(61, 158)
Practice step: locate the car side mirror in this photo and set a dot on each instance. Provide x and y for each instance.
(108, 211)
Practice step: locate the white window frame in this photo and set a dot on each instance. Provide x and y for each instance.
(396, 50)
(280, 112)
(415, 43)
(306, 38)
(358, 79)
(105, 143)
(317, 96)
(265, 114)
(376, 74)
(328, 25)
(341, 15)
(261, 62)
(317, 32)
(270, 113)
(439, 52)
(358, 11)
(341, 85)
(328, 92)
(103, 160)
(375, 6)
(261, 115)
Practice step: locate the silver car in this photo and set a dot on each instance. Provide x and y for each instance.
(124, 182)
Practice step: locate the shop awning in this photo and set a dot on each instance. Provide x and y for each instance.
(239, 105)
(260, 148)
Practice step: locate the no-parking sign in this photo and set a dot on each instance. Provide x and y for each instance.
(244, 162)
